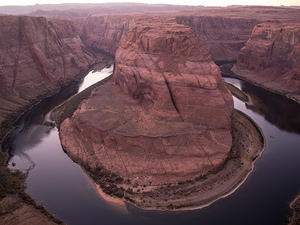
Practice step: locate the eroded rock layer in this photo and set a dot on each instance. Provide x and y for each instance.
(271, 58)
(165, 117)
(223, 37)
(103, 33)
(37, 57)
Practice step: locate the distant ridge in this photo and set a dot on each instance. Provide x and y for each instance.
(139, 7)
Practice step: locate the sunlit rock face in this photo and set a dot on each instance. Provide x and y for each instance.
(165, 116)
(271, 58)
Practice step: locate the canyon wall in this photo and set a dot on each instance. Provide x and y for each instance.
(223, 37)
(37, 57)
(102, 33)
(223, 31)
(271, 58)
(165, 116)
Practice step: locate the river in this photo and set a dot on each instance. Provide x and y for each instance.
(64, 189)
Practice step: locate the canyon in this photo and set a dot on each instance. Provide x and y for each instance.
(156, 134)
(165, 79)
(38, 57)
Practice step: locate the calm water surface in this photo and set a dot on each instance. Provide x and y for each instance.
(58, 183)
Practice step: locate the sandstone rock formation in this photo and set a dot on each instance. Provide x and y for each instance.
(223, 31)
(168, 68)
(165, 118)
(223, 37)
(103, 33)
(37, 57)
(271, 58)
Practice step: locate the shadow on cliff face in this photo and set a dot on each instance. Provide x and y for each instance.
(279, 110)
(33, 125)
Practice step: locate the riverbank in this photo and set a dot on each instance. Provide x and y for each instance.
(67, 108)
(257, 80)
(16, 207)
(295, 206)
(237, 92)
(248, 144)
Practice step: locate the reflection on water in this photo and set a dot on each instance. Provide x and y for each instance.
(67, 192)
(33, 128)
(94, 76)
(275, 108)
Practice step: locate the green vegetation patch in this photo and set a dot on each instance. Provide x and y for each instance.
(10, 182)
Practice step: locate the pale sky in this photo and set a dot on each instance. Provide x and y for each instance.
(177, 2)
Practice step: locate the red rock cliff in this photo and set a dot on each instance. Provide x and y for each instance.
(223, 37)
(37, 57)
(271, 58)
(168, 67)
(165, 118)
(102, 33)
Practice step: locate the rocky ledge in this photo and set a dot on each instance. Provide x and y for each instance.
(270, 58)
(161, 124)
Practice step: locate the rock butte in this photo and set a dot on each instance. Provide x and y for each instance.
(271, 58)
(165, 117)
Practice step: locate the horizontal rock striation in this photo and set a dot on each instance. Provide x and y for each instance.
(223, 37)
(103, 33)
(271, 58)
(37, 57)
(168, 68)
(223, 31)
(165, 118)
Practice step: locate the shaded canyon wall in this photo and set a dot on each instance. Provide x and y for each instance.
(37, 57)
